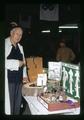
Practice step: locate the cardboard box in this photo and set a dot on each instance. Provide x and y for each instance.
(35, 67)
(57, 105)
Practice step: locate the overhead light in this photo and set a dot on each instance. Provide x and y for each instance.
(45, 31)
(60, 30)
(68, 26)
(72, 26)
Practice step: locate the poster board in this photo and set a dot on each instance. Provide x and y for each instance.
(71, 79)
(54, 70)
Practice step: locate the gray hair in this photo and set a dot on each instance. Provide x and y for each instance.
(14, 29)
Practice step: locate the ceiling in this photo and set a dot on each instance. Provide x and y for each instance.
(67, 12)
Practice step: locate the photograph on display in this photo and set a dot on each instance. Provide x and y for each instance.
(42, 59)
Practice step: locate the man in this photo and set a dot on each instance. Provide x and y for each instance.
(15, 71)
(64, 53)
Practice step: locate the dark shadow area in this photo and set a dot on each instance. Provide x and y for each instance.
(24, 108)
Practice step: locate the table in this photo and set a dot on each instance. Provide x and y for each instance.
(37, 108)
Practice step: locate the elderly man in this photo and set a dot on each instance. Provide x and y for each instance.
(15, 71)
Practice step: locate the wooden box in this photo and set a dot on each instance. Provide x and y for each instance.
(30, 89)
(57, 105)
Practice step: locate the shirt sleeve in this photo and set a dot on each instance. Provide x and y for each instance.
(24, 72)
(24, 68)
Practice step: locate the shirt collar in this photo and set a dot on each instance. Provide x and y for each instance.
(9, 42)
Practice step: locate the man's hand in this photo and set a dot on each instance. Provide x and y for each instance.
(25, 80)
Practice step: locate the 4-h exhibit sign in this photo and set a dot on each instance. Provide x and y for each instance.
(71, 79)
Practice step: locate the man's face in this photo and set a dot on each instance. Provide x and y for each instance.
(62, 44)
(16, 35)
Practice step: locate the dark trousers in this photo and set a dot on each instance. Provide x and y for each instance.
(15, 92)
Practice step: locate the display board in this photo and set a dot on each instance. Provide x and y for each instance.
(54, 70)
(71, 79)
(68, 75)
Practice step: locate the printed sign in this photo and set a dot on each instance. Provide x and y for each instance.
(71, 79)
(42, 79)
(54, 70)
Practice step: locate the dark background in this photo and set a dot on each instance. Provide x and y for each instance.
(45, 45)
